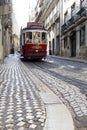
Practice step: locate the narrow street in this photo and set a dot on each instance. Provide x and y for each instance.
(43, 65)
(32, 94)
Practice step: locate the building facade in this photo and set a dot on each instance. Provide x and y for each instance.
(74, 29)
(49, 13)
(66, 22)
(5, 27)
(15, 33)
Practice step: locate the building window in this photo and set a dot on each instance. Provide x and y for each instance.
(65, 16)
(73, 9)
(82, 36)
(57, 24)
(65, 42)
(81, 3)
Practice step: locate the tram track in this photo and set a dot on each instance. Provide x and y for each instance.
(31, 67)
(69, 92)
(72, 81)
(55, 91)
(67, 78)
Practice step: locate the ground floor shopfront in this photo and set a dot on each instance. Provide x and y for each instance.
(71, 43)
(74, 42)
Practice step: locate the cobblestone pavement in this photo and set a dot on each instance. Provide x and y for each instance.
(68, 93)
(74, 74)
(21, 107)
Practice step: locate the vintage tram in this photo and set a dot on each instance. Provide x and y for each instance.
(34, 41)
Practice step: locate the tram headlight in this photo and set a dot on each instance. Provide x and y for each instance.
(36, 50)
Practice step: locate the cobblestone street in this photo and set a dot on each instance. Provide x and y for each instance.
(21, 107)
(71, 92)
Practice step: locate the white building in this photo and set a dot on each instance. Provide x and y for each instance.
(66, 21)
(74, 29)
(50, 15)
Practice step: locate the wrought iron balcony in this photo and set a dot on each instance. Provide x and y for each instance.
(77, 18)
(68, 24)
(83, 11)
(70, 21)
(80, 11)
(64, 27)
(82, 14)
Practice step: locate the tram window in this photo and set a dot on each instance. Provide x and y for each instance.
(36, 37)
(23, 38)
(29, 37)
(43, 37)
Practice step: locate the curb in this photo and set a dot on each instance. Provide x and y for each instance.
(70, 59)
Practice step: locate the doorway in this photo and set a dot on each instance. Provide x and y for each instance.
(73, 43)
(57, 45)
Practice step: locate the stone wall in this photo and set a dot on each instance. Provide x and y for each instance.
(83, 52)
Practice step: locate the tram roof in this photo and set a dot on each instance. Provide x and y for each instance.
(34, 30)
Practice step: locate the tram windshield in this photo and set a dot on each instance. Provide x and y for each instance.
(35, 37)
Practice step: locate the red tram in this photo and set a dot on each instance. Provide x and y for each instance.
(34, 41)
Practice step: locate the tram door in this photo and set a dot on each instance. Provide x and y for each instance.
(73, 44)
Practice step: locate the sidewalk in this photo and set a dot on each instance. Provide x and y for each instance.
(58, 116)
(21, 107)
(70, 59)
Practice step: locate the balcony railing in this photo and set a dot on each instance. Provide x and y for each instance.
(78, 17)
(64, 27)
(83, 11)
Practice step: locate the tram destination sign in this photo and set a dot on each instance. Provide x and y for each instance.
(31, 24)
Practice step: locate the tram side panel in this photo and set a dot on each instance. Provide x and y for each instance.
(34, 51)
